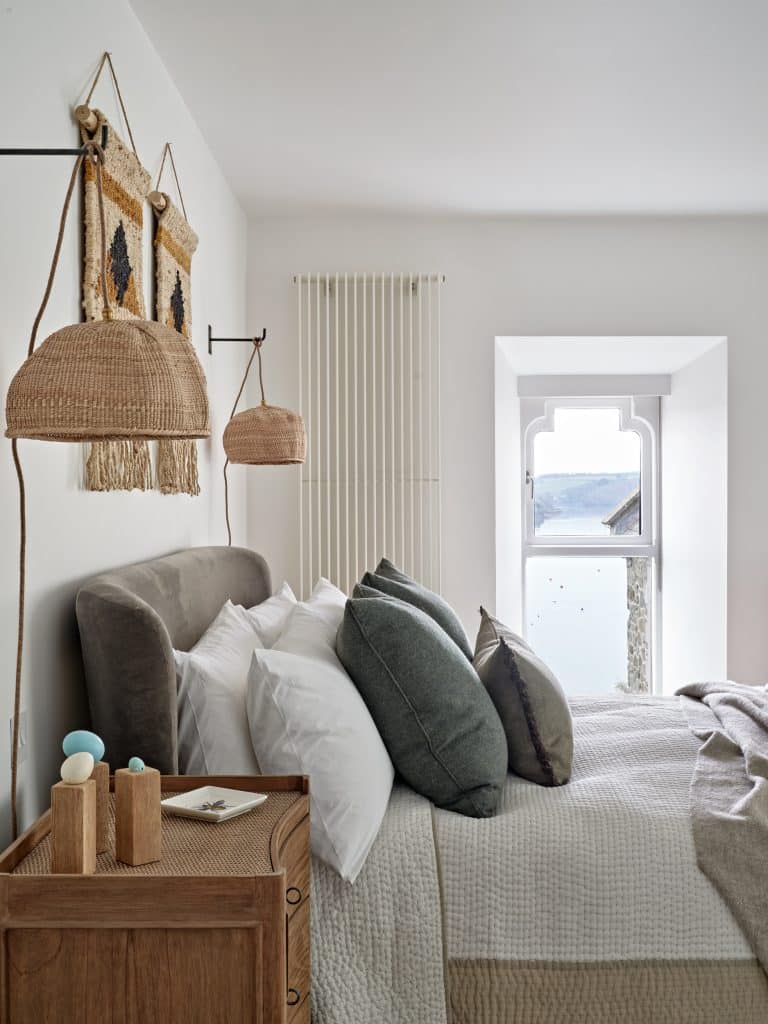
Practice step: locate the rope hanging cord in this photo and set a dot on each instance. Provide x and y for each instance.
(107, 59)
(94, 152)
(167, 151)
(257, 343)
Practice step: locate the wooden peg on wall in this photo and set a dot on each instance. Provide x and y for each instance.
(157, 200)
(86, 117)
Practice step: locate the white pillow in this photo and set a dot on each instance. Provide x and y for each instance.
(328, 602)
(269, 617)
(307, 718)
(212, 678)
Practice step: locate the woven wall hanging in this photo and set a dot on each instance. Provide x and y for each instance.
(175, 244)
(115, 465)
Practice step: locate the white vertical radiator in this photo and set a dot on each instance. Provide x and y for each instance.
(369, 373)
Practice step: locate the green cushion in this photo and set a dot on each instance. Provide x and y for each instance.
(436, 719)
(388, 579)
(530, 703)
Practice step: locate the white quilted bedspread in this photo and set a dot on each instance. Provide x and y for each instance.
(601, 869)
(377, 945)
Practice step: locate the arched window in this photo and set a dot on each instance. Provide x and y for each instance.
(590, 539)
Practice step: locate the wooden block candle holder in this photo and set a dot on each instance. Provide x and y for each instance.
(73, 828)
(138, 833)
(101, 777)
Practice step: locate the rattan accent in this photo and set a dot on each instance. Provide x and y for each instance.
(265, 436)
(109, 380)
(236, 847)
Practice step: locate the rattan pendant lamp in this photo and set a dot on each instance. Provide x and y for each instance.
(115, 380)
(264, 436)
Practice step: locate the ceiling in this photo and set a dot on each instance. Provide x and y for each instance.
(477, 106)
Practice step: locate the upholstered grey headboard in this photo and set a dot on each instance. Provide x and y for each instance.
(131, 619)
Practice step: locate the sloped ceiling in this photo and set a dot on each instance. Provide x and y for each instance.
(525, 106)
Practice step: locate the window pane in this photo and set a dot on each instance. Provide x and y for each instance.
(588, 619)
(586, 476)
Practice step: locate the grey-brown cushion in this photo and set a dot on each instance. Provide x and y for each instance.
(435, 717)
(530, 702)
(388, 579)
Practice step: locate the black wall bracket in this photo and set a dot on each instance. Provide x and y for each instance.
(57, 152)
(234, 341)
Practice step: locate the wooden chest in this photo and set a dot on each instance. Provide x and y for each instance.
(217, 931)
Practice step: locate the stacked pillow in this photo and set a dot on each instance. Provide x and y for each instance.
(530, 702)
(211, 683)
(388, 579)
(350, 691)
(306, 717)
(443, 737)
(406, 651)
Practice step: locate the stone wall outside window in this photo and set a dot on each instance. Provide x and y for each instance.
(638, 623)
(623, 521)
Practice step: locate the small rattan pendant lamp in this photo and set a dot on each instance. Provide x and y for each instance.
(115, 380)
(264, 436)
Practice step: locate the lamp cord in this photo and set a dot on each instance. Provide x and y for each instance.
(226, 504)
(96, 153)
(20, 639)
(257, 343)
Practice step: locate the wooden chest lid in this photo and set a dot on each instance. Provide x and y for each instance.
(240, 846)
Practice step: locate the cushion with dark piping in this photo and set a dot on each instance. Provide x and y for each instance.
(388, 579)
(437, 721)
(530, 702)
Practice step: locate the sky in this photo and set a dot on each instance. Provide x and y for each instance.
(586, 441)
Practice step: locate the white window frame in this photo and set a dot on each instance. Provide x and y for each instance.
(636, 413)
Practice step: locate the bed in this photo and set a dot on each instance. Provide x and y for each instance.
(582, 903)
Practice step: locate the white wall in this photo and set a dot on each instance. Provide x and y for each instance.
(694, 521)
(49, 52)
(551, 276)
(508, 525)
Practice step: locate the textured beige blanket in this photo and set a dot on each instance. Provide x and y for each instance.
(581, 904)
(729, 799)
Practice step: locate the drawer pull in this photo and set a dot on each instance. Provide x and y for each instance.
(292, 895)
(294, 996)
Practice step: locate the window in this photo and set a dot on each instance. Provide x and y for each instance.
(590, 540)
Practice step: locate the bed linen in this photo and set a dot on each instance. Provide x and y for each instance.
(581, 904)
(307, 718)
(729, 799)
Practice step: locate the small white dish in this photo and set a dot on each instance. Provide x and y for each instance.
(212, 803)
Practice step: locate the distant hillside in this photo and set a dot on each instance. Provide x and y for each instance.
(581, 494)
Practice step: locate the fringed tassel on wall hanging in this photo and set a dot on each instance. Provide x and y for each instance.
(113, 465)
(175, 244)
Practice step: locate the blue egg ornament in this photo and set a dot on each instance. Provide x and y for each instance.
(136, 765)
(81, 741)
